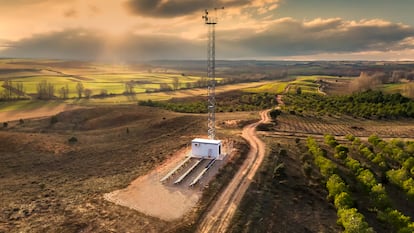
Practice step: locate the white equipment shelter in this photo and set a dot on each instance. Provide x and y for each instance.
(206, 149)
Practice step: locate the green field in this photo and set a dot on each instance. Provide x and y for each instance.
(111, 83)
(308, 84)
(274, 88)
(27, 105)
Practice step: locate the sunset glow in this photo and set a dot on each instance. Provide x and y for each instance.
(172, 29)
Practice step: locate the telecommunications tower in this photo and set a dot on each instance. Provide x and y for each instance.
(211, 22)
(209, 148)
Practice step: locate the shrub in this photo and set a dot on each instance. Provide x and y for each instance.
(335, 185)
(367, 178)
(341, 152)
(379, 196)
(343, 201)
(353, 222)
(5, 124)
(274, 113)
(53, 120)
(307, 169)
(350, 137)
(330, 140)
(409, 163)
(365, 151)
(73, 140)
(21, 121)
(354, 165)
(326, 166)
(374, 139)
(397, 177)
(395, 218)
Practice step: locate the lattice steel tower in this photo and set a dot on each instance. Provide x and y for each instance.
(211, 22)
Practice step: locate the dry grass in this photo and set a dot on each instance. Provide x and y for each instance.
(50, 185)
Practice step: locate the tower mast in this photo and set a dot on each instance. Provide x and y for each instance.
(211, 22)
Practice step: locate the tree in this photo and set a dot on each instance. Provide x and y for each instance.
(103, 93)
(45, 90)
(87, 93)
(298, 90)
(275, 113)
(19, 88)
(330, 140)
(64, 92)
(165, 87)
(129, 88)
(79, 89)
(176, 83)
(341, 151)
(8, 86)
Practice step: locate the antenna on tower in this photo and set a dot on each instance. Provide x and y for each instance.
(211, 22)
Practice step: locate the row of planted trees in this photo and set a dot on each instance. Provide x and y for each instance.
(348, 215)
(47, 90)
(44, 90)
(12, 90)
(368, 104)
(395, 158)
(367, 181)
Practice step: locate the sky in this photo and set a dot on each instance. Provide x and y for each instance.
(140, 30)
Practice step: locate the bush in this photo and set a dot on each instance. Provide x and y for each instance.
(5, 124)
(365, 151)
(307, 169)
(354, 165)
(397, 177)
(367, 178)
(330, 141)
(395, 218)
(379, 196)
(409, 163)
(374, 139)
(353, 222)
(335, 185)
(73, 140)
(341, 152)
(53, 120)
(21, 121)
(343, 201)
(274, 113)
(326, 166)
(350, 137)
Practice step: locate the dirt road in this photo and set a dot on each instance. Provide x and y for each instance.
(220, 214)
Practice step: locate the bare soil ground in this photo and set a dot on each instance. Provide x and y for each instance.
(339, 86)
(295, 125)
(167, 201)
(15, 115)
(284, 199)
(51, 185)
(149, 196)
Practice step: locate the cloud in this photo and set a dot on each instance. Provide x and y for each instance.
(70, 13)
(83, 44)
(284, 37)
(68, 44)
(287, 36)
(176, 8)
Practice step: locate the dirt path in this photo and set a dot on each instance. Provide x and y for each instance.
(219, 216)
